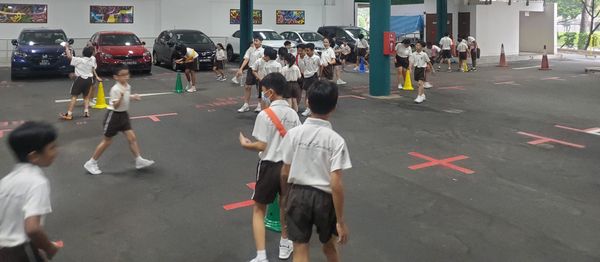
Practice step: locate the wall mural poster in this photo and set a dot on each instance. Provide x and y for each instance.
(23, 13)
(290, 17)
(100, 14)
(235, 17)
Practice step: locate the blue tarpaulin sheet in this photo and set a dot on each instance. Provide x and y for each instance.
(406, 24)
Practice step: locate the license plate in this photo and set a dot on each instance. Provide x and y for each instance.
(44, 62)
(205, 60)
(130, 62)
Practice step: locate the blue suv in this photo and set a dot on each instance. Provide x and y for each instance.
(40, 51)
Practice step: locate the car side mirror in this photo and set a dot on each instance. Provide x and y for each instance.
(71, 41)
(15, 42)
(143, 43)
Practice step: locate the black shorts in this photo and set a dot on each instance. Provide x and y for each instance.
(268, 182)
(308, 82)
(401, 62)
(220, 64)
(115, 122)
(328, 72)
(344, 57)
(307, 206)
(462, 55)
(361, 52)
(294, 90)
(446, 54)
(250, 79)
(191, 65)
(81, 86)
(419, 74)
(25, 252)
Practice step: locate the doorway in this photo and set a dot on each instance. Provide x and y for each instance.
(464, 25)
(431, 24)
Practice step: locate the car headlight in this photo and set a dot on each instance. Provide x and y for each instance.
(105, 55)
(20, 53)
(147, 53)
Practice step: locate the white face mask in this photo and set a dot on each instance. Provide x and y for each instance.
(265, 98)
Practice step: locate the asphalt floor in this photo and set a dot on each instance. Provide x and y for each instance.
(512, 175)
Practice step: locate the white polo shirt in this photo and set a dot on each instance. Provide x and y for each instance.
(302, 63)
(326, 56)
(24, 193)
(363, 43)
(314, 151)
(254, 54)
(264, 68)
(311, 65)
(462, 47)
(291, 73)
(419, 59)
(446, 43)
(265, 131)
(115, 95)
(84, 66)
(403, 51)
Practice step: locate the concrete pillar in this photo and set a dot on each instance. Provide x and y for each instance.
(379, 77)
(246, 24)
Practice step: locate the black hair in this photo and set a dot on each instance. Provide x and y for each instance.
(287, 43)
(257, 37)
(118, 68)
(459, 40)
(301, 46)
(406, 42)
(429, 44)
(88, 51)
(181, 50)
(220, 45)
(361, 36)
(271, 53)
(282, 52)
(310, 46)
(290, 59)
(276, 82)
(31, 137)
(447, 34)
(322, 97)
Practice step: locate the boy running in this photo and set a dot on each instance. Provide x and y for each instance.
(269, 129)
(85, 71)
(25, 196)
(314, 156)
(420, 61)
(117, 120)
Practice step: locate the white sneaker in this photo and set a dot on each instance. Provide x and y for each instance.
(419, 99)
(400, 87)
(341, 82)
(367, 71)
(306, 112)
(219, 78)
(143, 163)
(244, 108)
(423, 97)
(355, 69)
(187, 87)
(235, 80)
(223, 79)
(286, 247)
(428, 85)
(93, 102)
(92, 167)
(192, 90)
(259, 260)
(257, 109)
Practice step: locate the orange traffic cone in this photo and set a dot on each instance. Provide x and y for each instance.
(545, 63)
(502, 58)
(100, 98)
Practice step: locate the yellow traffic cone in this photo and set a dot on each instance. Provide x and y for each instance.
(465, 67)
(407, 82)
(100, 99)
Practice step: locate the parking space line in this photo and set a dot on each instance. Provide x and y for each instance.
(591, 131)
(527, 67)
(141, 95)
(544, 140)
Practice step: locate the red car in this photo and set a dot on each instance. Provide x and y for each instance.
(117, 47)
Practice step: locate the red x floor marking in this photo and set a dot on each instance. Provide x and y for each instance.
(591, 131)
(443, 162)
(154, 118)
(246, 203)
(543, 140)
(2, 131)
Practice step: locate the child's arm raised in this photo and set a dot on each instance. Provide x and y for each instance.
(246, 143)
(35, 232)
(68, 52)
(337, 191)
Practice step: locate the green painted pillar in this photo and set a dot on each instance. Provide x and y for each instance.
(379, 64)
(246, 24)
(442, 18)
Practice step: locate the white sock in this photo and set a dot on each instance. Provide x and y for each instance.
(92, 160)
(283, 240)
(69, 113)
(139, 158)
(261, 254)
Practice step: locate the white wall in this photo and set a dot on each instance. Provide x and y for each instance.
(538, 29)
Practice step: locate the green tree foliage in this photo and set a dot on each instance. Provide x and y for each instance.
(569, 9)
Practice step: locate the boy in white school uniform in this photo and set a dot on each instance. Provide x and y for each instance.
(254, 53)
(25, 196)
(312, 65)
(262, 67)
(269, 129)
(446, 44)
(420, 62)
(314, 156)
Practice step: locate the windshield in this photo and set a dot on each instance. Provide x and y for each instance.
(311, 37)
(354, 32)
(119, 40)
(268, 35)
(42, 38)
(192, 38)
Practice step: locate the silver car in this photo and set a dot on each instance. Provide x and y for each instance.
(305, 37)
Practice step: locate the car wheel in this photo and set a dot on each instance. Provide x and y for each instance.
(230, 54)
(155, 60)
